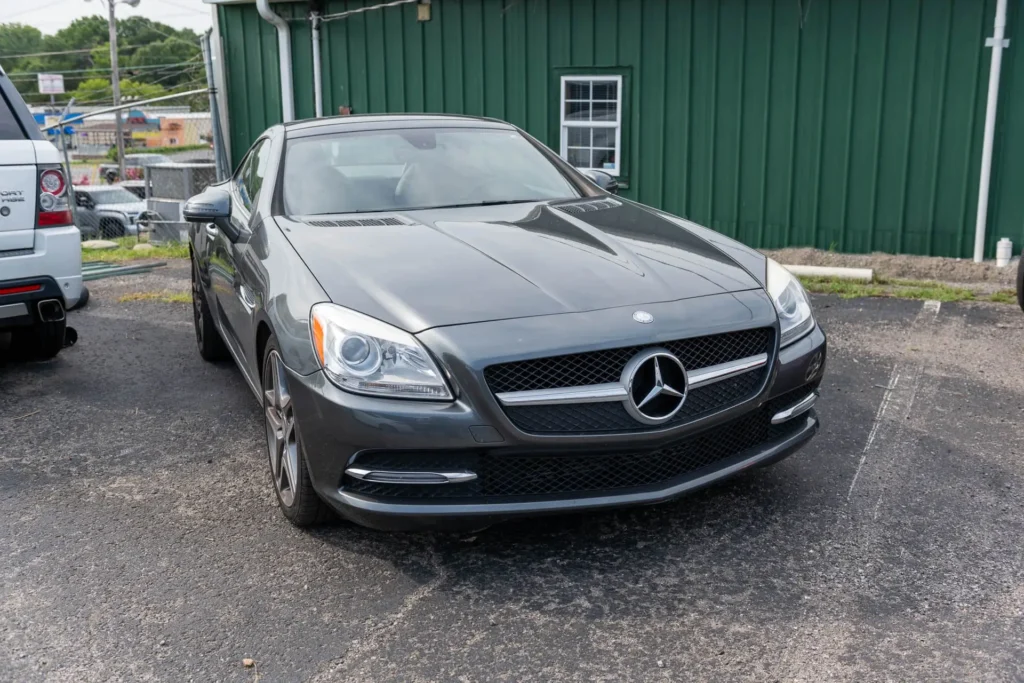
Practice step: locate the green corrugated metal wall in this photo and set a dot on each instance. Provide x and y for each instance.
(856, 127)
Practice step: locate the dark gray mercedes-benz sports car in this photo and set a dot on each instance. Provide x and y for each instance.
(447, 324)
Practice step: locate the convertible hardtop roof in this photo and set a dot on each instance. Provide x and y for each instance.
(363, 122)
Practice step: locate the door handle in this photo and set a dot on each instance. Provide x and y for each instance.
(211, 230)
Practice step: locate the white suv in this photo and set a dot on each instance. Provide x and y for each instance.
(40, 247)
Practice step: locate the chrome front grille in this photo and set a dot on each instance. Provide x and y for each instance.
(600, 409)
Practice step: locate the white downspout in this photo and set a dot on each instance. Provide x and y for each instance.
(318, 92)
(284, 48)
(997, 43)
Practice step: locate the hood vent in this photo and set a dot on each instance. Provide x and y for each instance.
(592, 205)
(359, 222)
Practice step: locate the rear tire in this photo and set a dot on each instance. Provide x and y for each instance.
(1020, 283)
(208, 339)
(42, 341)
(298, 500)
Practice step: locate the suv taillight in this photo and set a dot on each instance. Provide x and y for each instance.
(53, 207)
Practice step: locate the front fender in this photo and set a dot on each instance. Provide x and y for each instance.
(286, 291)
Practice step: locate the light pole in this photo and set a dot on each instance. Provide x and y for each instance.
(115, 79)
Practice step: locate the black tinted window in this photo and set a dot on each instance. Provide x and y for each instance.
(10, 129)
(257, 170)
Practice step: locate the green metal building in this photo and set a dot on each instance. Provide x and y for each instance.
(853, 125)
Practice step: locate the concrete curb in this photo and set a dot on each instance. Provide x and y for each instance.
(859, 274)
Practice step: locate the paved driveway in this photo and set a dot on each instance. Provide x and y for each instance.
(141, 540)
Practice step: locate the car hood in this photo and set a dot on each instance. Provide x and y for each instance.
(129, 208)
(431, 268)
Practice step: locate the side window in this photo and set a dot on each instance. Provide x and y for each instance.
(10, 129)
(241, 175)
(257, 170)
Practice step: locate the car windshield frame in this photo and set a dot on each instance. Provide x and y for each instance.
(575, 185)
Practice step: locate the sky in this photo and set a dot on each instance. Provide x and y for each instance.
(49, 16)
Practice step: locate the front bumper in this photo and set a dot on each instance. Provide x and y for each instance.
(339, 430)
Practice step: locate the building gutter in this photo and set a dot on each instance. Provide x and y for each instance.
(997, 42)
(284, 49)
(315, 19)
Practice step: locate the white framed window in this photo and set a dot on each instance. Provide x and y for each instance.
(591, 122)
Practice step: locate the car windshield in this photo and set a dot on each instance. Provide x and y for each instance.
(421, 168)
(116, 196)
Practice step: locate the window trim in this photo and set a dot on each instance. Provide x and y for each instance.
(553, 131)
(564, 125)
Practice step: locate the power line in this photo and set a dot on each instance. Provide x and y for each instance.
(69, 52)
(28, 74)
(33, 9)
(193, 9)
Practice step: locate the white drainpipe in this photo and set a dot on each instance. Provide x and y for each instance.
(997, 43)
(284, 49)
(318, 92)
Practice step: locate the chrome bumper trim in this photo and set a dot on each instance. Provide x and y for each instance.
(386, 477)
(799, 409)
(13, 310)
(615, 391)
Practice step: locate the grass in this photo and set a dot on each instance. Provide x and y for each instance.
(1004, 296)
(923, 290)
(165, 297)
(125, 252)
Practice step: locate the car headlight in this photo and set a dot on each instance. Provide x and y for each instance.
(367, 356)
(791, 302)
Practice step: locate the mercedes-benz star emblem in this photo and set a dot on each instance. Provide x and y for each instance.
(643, 317)
(656, 383)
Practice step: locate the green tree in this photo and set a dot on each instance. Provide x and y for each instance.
(143, 46)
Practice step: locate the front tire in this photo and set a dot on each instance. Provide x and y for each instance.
(111, 228)
(292, 484)
(208, 339)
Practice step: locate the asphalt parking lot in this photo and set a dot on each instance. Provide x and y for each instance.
(141, 539)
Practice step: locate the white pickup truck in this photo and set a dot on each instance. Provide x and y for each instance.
(40, 247)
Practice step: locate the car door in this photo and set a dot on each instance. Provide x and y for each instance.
(236, 300)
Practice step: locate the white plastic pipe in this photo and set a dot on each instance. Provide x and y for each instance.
(318, 92)
(284, 49)
(997, 45)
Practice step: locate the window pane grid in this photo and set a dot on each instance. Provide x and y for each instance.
(591, 120)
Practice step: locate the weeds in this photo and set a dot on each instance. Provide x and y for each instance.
(902, 289)
(163, 297)
(126, 252)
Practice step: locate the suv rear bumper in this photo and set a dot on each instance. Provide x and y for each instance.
(56, 257)
(21, 308)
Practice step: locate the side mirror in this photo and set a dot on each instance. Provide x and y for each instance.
(83, 200)
(212, 206)
(605, 181)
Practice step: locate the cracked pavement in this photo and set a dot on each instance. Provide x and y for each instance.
(141, 539)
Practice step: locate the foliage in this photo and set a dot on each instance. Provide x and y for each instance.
(901, 289)
(126, 252)
(166, 297)
(143, 46)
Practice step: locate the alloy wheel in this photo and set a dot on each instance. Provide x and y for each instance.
(281, 438)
